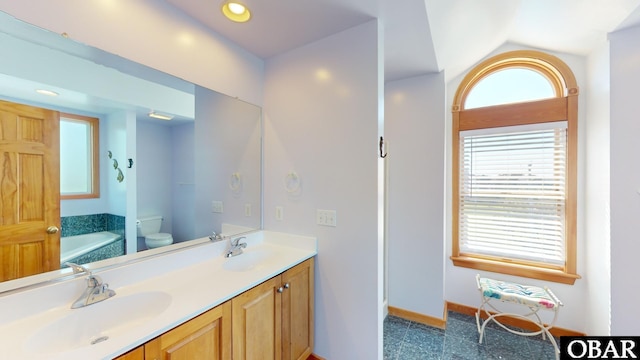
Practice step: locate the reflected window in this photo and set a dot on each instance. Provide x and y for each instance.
(79, 174)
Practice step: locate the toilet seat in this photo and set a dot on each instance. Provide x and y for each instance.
(157, 240)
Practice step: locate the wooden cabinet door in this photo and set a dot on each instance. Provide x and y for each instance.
(256, 315)
(135, 354)
(297, 311)
(30, 186)
(206, 337)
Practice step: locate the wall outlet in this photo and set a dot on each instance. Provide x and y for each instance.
(279, 213)
(247, 210)
(216, 207)
(326, 217)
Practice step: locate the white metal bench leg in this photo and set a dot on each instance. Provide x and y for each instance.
(544, 330)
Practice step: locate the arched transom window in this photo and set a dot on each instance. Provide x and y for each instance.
(515, 167)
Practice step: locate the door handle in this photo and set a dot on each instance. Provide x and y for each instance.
(52, 230)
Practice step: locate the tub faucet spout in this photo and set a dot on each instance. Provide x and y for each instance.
(96, 290)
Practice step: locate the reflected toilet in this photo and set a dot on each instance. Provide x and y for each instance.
(149, 228)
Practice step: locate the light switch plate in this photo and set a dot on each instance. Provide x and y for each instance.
(216, 206)
(326, 217)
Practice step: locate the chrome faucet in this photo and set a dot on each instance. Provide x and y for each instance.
(96, 290)
(215, 237)
(236, 247)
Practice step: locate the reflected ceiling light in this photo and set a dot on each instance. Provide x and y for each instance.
(323, 75)
(156, 115)
(236, 11)
(47, 92)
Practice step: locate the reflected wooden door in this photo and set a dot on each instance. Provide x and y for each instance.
(30, 188)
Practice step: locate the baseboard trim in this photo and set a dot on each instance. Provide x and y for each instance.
(507, 320)
(315, 357)
(417, 317)
(471, 311)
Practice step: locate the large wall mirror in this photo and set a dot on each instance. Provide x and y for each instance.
(199, 172)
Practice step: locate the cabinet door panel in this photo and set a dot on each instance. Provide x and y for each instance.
(256, 316)
(206, 337)
(135, 354)
(297, 311)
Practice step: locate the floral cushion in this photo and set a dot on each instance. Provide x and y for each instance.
(520, 294)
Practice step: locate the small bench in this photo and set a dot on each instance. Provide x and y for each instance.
(533, 298)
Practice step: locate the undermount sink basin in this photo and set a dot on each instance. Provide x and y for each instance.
(94, 324)
(249, 260)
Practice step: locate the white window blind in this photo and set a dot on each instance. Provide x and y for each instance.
(512, 192)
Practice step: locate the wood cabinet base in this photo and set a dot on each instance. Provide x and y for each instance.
(271, 321)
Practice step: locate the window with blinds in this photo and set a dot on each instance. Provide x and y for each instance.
(514, 161)
(512, 193)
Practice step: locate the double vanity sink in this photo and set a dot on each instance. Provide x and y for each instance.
(152, 296)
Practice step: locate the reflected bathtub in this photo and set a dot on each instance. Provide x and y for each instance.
(72, 247)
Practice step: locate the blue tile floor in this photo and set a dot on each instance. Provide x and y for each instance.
(408, 340)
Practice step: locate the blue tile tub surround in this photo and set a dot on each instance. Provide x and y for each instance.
(408, 340)
(116, 248)
(115, 224)
(86, 224)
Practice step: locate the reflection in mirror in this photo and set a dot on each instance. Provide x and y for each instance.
(199, 172)
(79, 163)
(201, 157)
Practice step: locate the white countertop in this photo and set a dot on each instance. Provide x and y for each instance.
(191, 281)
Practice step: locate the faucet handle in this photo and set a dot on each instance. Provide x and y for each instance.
(94, 281)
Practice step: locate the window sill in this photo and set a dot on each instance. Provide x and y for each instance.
(532, 272)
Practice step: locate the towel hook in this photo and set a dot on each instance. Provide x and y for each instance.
(381, 147)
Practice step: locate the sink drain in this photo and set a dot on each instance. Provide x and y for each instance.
(99, 340)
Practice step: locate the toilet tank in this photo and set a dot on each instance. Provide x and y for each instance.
(149, 225)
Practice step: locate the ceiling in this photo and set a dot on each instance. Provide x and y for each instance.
(424, 36)
(420, 36)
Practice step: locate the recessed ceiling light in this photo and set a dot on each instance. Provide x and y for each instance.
(156, 115)
(236, 11)
(47, 92)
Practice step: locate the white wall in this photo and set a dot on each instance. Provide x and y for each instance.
(460, 284)
(183, 182)
(154, 164)
(84, 82)
(596, 94)
(116, 128)
(156, 35)
(321, 120)
(227, 136)
(414, 129)
(122, 138)
(625, 181)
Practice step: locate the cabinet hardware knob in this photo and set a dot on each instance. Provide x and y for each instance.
(280, 289)
(286, 285)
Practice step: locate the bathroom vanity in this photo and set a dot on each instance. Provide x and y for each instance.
(273, 320)
(192, 303)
